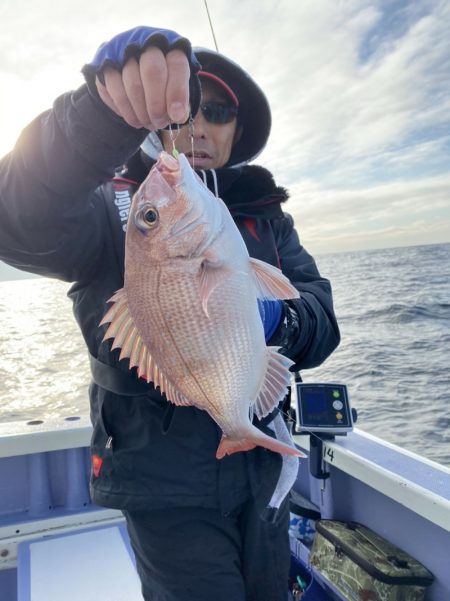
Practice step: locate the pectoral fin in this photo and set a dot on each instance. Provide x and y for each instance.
(212, 274)
(271, 283)
(126, 336)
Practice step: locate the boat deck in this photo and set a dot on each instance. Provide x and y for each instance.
(53, 540)
(94, 564)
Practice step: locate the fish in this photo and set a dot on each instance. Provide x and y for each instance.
(187, 316)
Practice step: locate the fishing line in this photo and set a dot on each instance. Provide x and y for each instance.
(289, 418)
(191, 120)
(191, 135)
(211, 26)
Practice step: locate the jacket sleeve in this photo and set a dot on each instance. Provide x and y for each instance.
(51, 223)
(319, 332)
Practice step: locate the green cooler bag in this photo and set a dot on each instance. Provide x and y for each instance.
(365, 567)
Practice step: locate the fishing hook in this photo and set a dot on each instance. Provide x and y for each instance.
(173, 139)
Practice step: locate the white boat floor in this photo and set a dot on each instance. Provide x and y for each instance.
(94, 564)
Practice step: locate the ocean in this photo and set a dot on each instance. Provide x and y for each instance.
(393, 307)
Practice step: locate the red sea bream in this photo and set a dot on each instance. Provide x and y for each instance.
(187, 316)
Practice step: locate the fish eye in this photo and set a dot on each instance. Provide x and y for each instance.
(146, 217)
(151, 216)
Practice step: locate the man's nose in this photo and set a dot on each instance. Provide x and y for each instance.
(200, 125)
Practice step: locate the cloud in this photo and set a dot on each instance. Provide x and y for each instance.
(359, 90)
(341, 109)
(393, 214)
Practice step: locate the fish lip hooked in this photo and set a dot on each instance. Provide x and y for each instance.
(196, 215)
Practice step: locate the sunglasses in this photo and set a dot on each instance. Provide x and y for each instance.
(215, 112)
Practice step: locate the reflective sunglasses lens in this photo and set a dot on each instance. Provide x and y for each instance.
(214, 112)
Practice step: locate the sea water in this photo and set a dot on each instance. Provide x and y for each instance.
(393, 307)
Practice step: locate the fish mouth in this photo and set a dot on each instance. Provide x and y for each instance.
(202, 214)
(168, 168)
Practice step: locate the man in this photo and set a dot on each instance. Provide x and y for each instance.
(196, 524)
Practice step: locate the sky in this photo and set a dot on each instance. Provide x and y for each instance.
(359, 91)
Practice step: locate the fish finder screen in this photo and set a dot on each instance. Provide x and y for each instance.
(323, 406)
(315, 400)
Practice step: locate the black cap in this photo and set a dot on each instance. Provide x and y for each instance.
(254, 111)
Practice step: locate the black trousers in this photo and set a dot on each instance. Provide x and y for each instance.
(195, 554)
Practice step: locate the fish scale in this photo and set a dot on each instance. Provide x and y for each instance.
(221, 363)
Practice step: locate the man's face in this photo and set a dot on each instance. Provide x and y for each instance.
(213, 142)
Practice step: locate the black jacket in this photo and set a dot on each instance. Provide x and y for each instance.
(60, 217)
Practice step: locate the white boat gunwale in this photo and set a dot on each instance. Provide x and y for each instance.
(434, 507)
(19, 438)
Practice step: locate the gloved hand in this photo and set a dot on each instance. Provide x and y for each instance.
(147, 76)
(281, 324)
(271, 312)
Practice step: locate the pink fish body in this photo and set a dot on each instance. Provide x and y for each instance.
(187, 316)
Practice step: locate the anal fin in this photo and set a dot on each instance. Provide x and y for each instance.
(276, 382)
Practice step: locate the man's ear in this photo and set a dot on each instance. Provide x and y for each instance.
(237, 134)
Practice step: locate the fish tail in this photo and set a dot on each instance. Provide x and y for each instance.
(254, 438)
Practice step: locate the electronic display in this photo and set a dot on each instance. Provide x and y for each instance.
(323, 408)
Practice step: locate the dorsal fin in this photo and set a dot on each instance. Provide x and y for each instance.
(125, 334)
